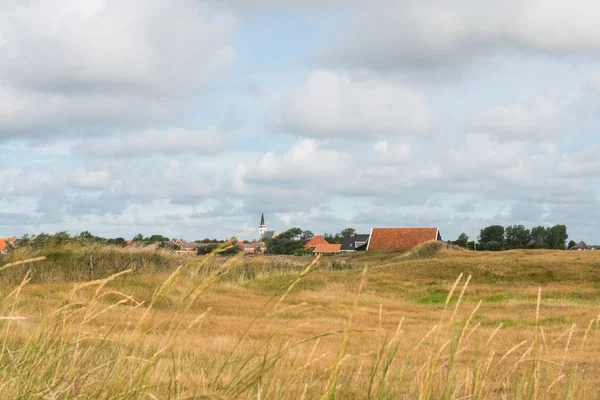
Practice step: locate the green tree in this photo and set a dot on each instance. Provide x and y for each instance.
(517, 236)
(307, 236)
(462, 240)
(331, 238)
(493, 245)
(85, 235)
(286, 242)
(493, 233)
(117, 242)
(157, 238)
(347, 232)
(61, 237)
(538, 237)
(556, 237)
(571, 244)
(138, 238)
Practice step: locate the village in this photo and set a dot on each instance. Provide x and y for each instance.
(294, 241)
(378, 239)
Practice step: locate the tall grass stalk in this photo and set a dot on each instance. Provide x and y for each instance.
(100, 342)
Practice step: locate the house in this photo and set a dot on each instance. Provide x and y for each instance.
(581, 246)
(6, 242)
(314, 242)
(249, 248)
(327, 248)
(355, 242)
(401, 239)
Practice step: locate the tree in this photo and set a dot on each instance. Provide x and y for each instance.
(493, 245)
(338, 238)
(157, 238)
(556, 237)
(117, 242)
(538, 236)
(331, 238)
(138, 238)
(307, 236)
(85, 235)
(493, 233)
(61, 237)
(462, 240)
(571, 244)
(347, 232)
(286, 242)
(517, 237)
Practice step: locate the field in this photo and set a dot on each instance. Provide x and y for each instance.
(434, 323)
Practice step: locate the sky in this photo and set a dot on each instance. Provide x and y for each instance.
(190, 118)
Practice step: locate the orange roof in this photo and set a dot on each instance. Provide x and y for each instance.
(400, 238)
(2, 245)
(314, 242)
(328, 248)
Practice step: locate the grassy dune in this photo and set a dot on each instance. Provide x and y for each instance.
(519, 324)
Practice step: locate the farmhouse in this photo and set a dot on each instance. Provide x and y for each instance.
(355, 242)
(327, 248)
(582, 246)
(314, 242)
(401, 239)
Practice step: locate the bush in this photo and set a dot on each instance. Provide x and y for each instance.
(493, 246)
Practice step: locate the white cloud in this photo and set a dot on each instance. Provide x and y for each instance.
(381, 147)
(153, 141)
(391, 34)
(584, 163)
(538, 120)
(331, 104)
(105, 62)
(89, 178)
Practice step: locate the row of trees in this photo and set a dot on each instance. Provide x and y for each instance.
(496, 238)
(84, 238)
(60, 238)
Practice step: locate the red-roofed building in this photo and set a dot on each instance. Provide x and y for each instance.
(327, 248)
(401, 239)
(314, 242)
(5, 242)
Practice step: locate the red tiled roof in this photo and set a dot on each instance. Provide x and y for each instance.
(400, 238)
(314, 242)
(2, 245)
(328, 248)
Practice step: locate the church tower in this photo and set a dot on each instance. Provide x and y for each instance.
(262, 228)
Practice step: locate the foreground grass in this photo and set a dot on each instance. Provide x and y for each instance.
(383, 326)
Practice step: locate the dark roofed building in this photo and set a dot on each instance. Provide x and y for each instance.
(582, 246)
(355, 242)
(401, 239)
(269, 235)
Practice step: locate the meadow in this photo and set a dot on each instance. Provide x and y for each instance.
(435, 323)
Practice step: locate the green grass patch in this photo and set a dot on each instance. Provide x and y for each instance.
(433, 299)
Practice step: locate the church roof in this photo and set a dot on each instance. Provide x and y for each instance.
(269, 235)
(262, 219)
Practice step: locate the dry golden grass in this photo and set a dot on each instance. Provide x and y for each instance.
(518, 324)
